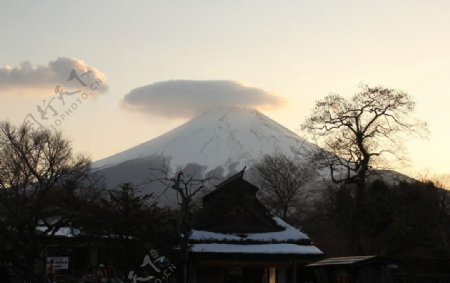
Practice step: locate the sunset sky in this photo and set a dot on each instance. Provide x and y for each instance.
(278, 56)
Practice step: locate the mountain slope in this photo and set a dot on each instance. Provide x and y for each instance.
(225, 137)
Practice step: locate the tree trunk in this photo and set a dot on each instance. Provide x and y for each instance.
(183, 233)
(358, 219)
(285, 208)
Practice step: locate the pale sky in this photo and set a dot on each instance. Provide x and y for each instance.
(299, 51)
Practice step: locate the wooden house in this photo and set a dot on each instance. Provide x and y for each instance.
(236, 239)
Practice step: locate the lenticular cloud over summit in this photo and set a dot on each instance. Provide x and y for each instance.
(188, 98)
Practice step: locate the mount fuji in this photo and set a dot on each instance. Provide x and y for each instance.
(219, 142)
(228, 138)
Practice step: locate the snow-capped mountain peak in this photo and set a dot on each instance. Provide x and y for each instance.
(226, 137)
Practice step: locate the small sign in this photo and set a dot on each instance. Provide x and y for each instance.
(59, 262)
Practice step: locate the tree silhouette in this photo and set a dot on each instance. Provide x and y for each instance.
(357, 133)
(40, 179)
(282, 183)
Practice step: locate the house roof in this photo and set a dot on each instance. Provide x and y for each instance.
(234, 208)
(288, 235)
(256, 249)
(226, 183)
(234, 222)
(350, 260)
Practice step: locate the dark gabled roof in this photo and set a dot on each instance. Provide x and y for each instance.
(238, 177)
(234, 208)
(236, 216)
(349, 261)
(233, 223)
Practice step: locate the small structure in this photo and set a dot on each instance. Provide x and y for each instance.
(236, 239)
(361, 269)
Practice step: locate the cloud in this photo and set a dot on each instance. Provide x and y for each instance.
(31, 77)
(188, 98)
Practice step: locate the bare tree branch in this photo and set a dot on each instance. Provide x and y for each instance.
(282, 182)
(357, 133)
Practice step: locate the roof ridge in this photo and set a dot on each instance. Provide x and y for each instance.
(239, 175)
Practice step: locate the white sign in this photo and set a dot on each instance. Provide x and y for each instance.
(59, 262)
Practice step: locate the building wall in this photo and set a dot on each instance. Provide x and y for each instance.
(235, 274)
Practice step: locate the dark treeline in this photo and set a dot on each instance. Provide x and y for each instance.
(131, 220)
(122, 223)
(52, 202)
(408, 221)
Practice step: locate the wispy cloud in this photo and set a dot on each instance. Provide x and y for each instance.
(187, 98)
(27, 76)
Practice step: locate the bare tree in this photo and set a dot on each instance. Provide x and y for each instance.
(357, 132)
(282, 180)
(38, 179)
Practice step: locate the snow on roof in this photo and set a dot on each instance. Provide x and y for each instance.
(288, 234)
(256, 249)
(62, 232)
